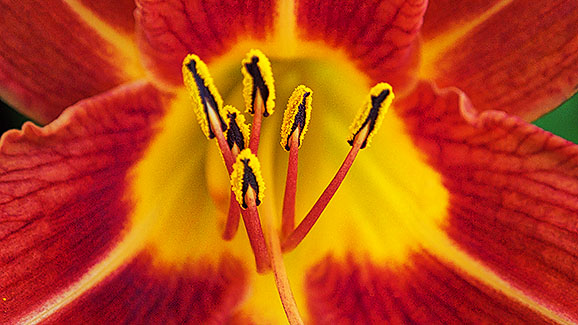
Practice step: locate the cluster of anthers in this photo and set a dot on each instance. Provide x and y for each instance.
(239, 147)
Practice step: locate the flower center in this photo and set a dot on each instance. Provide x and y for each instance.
(388, 203)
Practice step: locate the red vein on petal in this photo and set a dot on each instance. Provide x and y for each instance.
(58, 176)
(447, 250)
(128, 248)
(479, 193)
(123, 43)
(436, 47)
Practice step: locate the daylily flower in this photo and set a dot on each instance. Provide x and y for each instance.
(460, 211)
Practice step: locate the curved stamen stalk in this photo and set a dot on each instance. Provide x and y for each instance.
(362, 130)
(311, 218)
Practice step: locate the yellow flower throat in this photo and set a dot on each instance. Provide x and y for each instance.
(385, 208)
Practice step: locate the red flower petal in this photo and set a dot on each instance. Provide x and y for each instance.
(169, 30)
(62, 190)
(119, 13)
(380, 36)
(444, 15)
(514, 192)
(52, 55)
(519, 56)
(424, 291)
(144, 293)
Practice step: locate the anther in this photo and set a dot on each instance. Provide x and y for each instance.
(371, 114)
(258, 81)
(247, 174)
(248, 186)
(208, 104)
(295, 124)
(203, 92)
(363, 128)
(237, 129)
(296, 117)
(237, 138)
(258, 91)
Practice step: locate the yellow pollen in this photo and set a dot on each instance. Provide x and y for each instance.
(258, 81)
(297, 115)
(202, 90)
(247, 173)
(371, 115)
(237, 126)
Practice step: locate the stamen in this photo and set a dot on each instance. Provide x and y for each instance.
(203, 92)
(258, 80)
(208, 103)
(258, 91)
(297, 116)
(247, 173)
(228, 126)
(364, 127)
(372, 114)
(295, 124)
(248, 186)
(237, 138)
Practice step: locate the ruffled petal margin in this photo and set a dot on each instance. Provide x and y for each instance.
(515, 56)
(169, 30)
(63, 189)
(514, 194)
(424, 291)
(142, 293)
(379, 36)
(53, 54)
